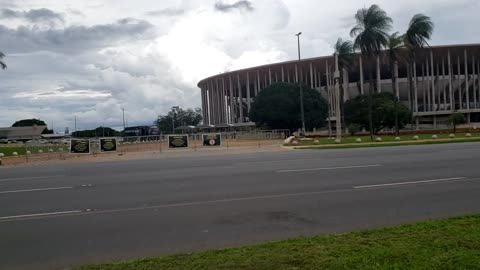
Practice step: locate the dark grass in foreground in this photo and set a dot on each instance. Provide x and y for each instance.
(444, 244)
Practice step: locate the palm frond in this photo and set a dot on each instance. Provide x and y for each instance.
(2, 64)
(420, 30)
(371, 30)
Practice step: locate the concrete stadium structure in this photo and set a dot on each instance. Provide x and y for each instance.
(446, 80)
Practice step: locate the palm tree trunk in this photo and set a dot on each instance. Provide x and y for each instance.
(370, 96)
(394, 84)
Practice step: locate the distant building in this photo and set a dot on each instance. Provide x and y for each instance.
(22, 133)
(141, 131)
(446, 79)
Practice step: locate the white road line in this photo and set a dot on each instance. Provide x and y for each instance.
(41, 215)
(33, 190)
(30, 178)
(411, 183)
(329, 168)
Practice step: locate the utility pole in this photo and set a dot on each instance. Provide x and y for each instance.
(75, 123)
(338, 117)
(123, 112)
(301, 87)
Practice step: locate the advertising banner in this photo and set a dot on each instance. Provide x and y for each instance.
(108, 144)
(212, 139)
(177, 141)
(80, 146)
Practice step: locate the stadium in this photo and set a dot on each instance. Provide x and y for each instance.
(445, 80)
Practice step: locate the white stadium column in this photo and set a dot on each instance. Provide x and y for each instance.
(240, 99)
(248, 94)
(424, 102)
(259, 88)
(311, 76)
(450, 82)
(429, 100)
(270, 76)
(433, 81)
(444, 88)
(467, 90)
(439, 89)
(224, 105)
(283, 75)
(415, 87)
(474, 83)
(460, 90)
(232, 101)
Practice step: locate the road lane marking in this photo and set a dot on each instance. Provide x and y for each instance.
(41, 215)
(329, 168)
(34, 190)
(30, 178)
(410, 183)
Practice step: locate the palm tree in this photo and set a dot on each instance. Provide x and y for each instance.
(2, 64)
(371, 35)
(394, 45)
(345, 52)
(419, 31)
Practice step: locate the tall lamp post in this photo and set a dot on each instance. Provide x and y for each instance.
(174, 110)
(301, 87)
(338, 117)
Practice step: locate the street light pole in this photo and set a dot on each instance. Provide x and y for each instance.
(338, 117)
(300, 85)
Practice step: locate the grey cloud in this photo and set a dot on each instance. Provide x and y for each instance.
(241, 5)
(168, 12)
(33, 15)
(73, 38)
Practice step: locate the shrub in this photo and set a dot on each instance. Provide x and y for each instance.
(398, 139)
(416, 138)
(358, 140)
(451, 136)
(468, 135)
(378, 139)
(354, 129)
(434, 137)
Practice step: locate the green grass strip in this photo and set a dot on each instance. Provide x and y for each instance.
(442, 244)
(383, 144)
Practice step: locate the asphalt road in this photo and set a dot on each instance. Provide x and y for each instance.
(59, 216)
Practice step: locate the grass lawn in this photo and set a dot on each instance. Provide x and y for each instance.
(21, 150)
(443, 244)
(386, 140)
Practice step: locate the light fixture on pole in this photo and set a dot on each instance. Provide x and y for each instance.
(301, 87)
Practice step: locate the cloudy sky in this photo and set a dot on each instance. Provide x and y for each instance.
(90, 58)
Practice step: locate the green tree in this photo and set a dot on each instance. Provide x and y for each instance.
(278, 107)
(385, 112)
(32, 122)
(2, 63)
(456, 119)
(419, 32)
(188, 117)
(394, 45)
(370, 33)
(97, 132)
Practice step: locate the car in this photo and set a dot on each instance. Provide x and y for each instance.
(4, 140)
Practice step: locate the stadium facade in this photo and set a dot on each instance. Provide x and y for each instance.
(446, 80)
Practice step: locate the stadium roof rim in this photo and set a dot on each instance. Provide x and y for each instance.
(320, 58)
